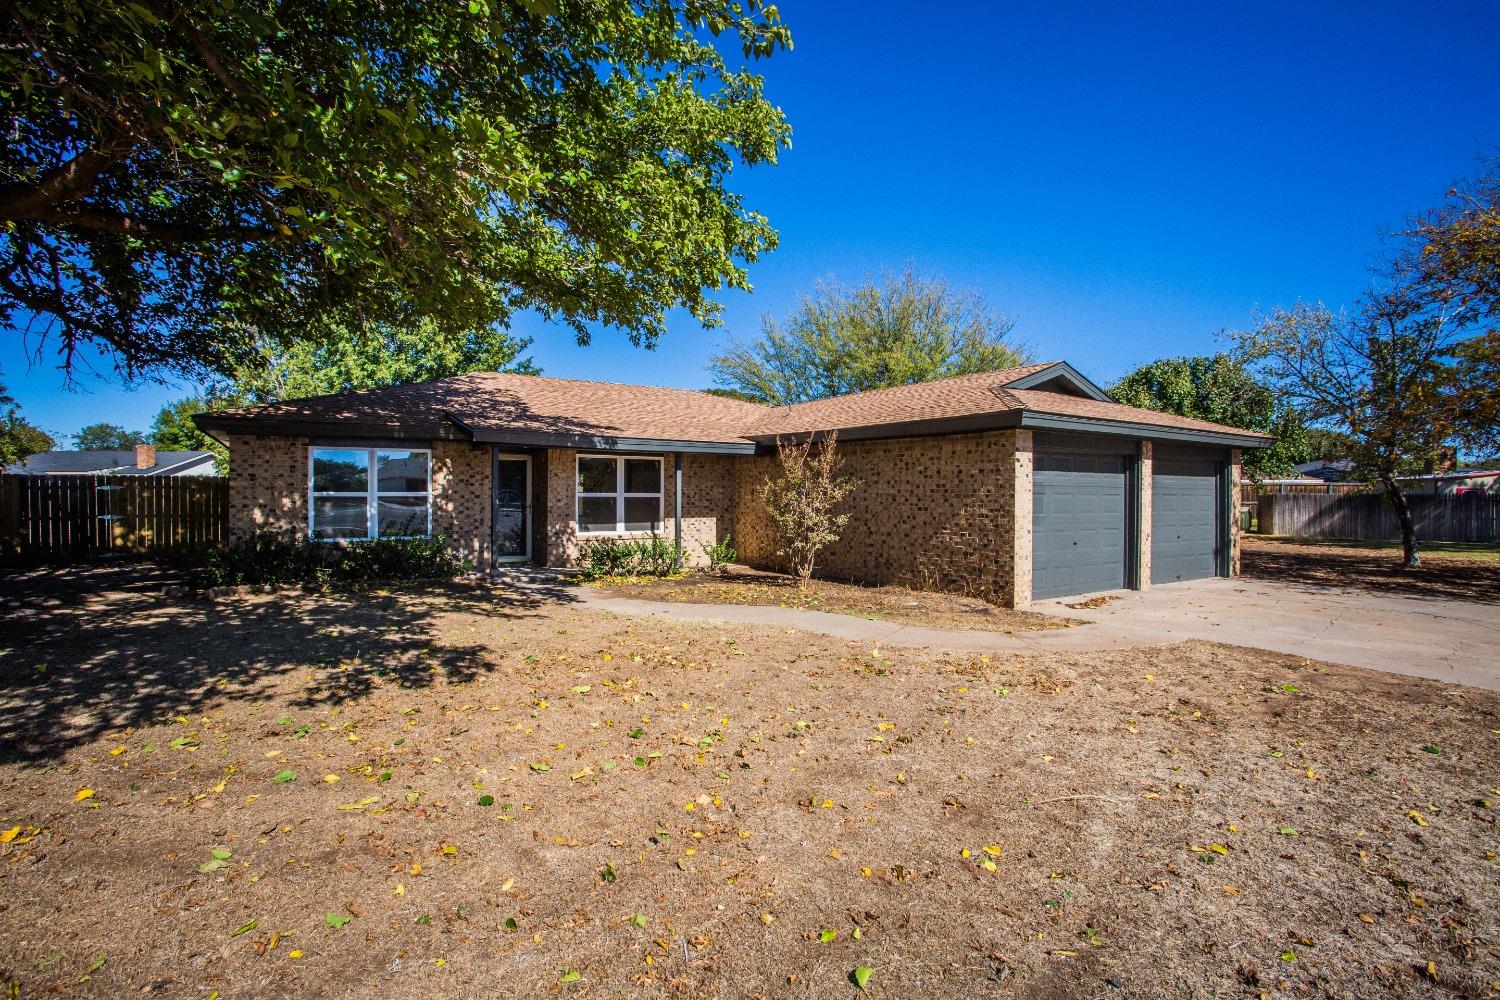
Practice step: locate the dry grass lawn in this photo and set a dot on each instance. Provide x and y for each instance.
(901, 605)
(497, 796)
(1453, 570)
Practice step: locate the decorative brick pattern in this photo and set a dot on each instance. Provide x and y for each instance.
(707, 504)
(938, 512)
(1146, 468)
(1234, 511)
(267, 485)
(461, 490)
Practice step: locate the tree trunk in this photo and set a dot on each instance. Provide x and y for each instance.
(1409, 557)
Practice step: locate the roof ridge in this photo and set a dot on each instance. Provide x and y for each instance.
(948, 379)
(624, 385)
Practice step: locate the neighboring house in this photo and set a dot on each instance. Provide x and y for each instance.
(1322, 470)
(1017, 484)
(1454, 482)
(143, 460)
(1458, 482)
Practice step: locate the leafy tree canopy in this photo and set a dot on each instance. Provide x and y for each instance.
(106, 437)
(19, 438)
(376, 357)
(896, 331)
(1216, 388)
(193, 188)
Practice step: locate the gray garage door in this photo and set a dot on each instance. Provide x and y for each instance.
(1078, 524)
(1186, 520)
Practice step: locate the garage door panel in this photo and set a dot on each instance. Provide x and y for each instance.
(1186, 505)
(1079, 507)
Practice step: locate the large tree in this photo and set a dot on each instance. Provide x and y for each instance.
(1217, 388)
(193, 187)
(106, 437)
(373, 358)
(1383, 375)
(19, 438)
(897, 330)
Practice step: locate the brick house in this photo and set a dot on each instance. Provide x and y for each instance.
(1016, 485)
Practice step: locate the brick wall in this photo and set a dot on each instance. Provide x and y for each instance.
(707, 504)
(461, 488)
(936, 512)
(267, 485)
(268, 490)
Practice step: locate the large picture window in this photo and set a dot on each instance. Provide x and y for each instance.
(618, 495)
(369, 493)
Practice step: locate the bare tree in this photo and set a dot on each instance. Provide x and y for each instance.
(803, 501)
(1381, 375)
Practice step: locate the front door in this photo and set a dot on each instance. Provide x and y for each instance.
(512, 508)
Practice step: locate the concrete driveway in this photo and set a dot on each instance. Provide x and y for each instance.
(1455, 641)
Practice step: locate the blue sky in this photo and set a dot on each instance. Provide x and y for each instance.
(1124, 183)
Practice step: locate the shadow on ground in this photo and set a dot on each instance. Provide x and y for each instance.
(86, 650)
(1372, 570)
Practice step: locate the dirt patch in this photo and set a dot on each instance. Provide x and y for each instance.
(1095, 602)
(554, 801)
(926, 609)
(1462, 576)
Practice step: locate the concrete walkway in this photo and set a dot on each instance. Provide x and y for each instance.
(1454, 641)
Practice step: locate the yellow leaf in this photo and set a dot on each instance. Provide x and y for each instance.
(88, 793)
(416, 869)
(117, 751)
(1219, 849)
(1230, 890)
(1415, 816)
(330, 778)
(993, 850)
(450, 850)
(294, 953)
(989, 865)
(965, 853)
(400, 889)
(10, 835)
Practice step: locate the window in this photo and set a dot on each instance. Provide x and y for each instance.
(618, 495)
(369, 493)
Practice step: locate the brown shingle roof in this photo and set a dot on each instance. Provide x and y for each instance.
(491, 405)
(960, 396)
(495, 401)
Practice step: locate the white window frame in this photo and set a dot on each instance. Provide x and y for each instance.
(372, 492)
(619, 495)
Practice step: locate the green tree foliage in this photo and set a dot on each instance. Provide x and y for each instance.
(174, 429)
(1217, 389)
(19, 438)
(899, 330)
(106, 437)
(377, 357)
(1384, 375)
(195, 187)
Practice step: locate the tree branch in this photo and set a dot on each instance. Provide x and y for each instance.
(110, 221)
(68, 182)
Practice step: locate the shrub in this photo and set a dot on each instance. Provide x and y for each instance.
(270, 559)
(654, 556)
(802, 502)
(720, 554)
(264, 558)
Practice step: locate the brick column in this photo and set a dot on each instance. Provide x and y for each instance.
(560, 512)
(1234, 512)
(1145, 469)
(1015, 590)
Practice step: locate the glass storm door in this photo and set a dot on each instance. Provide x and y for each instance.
(512, 508)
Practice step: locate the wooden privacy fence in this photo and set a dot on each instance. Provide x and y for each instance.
(62, 519)
(1473, 518)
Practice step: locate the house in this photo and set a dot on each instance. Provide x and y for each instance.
(1323, 470)
(1451, 482)
(144, 460)
(1018, 484)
